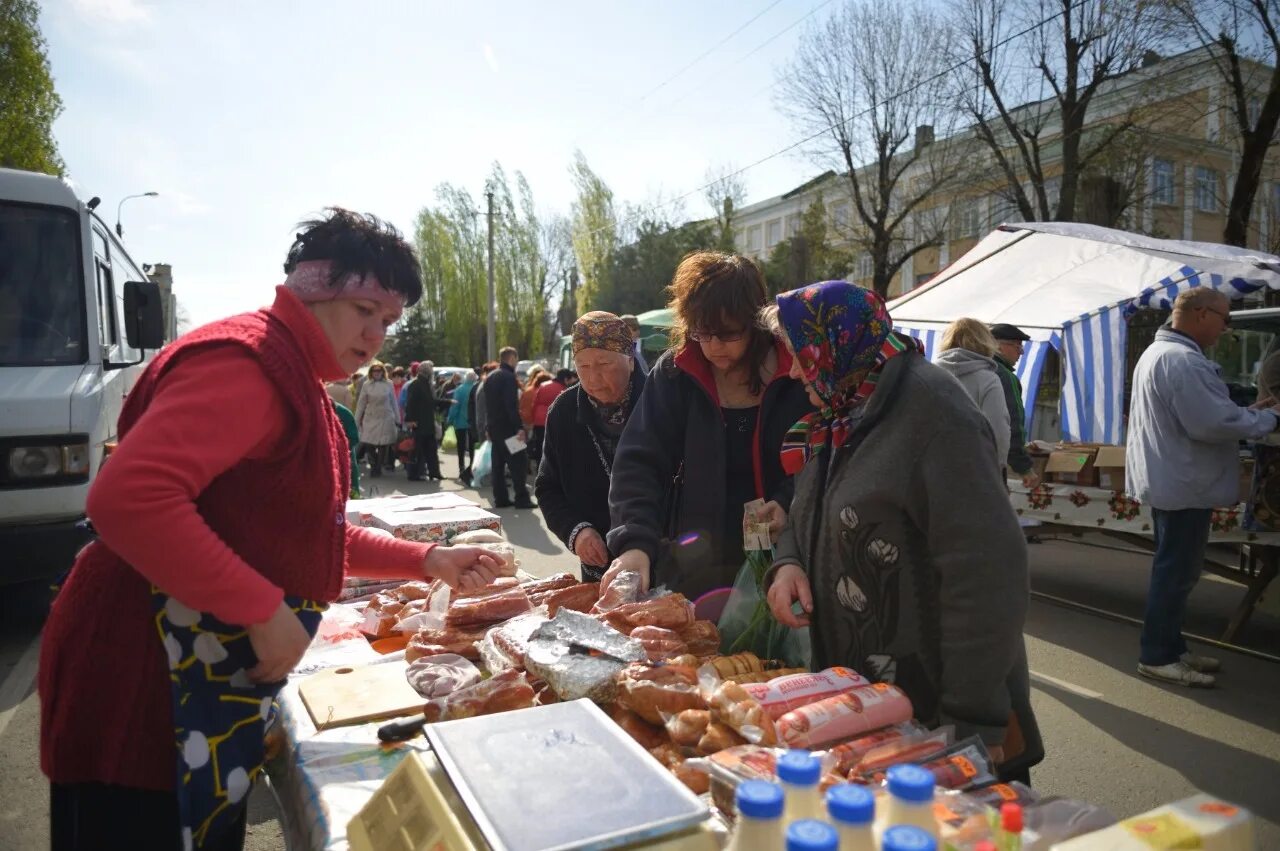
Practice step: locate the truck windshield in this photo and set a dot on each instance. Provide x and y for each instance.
(42, 316)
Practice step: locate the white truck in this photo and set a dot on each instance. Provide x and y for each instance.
(77, 317)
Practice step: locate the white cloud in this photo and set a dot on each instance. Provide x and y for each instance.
(112, 11)
(490, 58)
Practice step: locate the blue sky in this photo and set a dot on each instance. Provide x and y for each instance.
(249, 116)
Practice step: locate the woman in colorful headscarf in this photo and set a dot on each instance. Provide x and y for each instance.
(583, 426)
(704, 440)
(902, 549)
(222, 536)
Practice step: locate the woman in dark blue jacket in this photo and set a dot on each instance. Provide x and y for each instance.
(705, 437)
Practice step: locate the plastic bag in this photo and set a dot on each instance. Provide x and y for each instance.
(747, 623)
(449, 441)
(483, 464)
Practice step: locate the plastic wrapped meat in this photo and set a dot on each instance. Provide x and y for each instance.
(624, 588)
(504, 646)
(489, 609)
(702, 637)
(580, 598)
(500, 693)
(583, 631)
(539, 589)
(430, 642)
(844, 716)
(670, 611)
(572, 674)
(659, 643)
(441, 675)
(653, 693)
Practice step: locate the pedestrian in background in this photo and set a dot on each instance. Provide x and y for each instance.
(966, 352)
(637, 350)
(502, 400)
(1009, 345)
(461, 414)
(1181, 459)
(379, 420)
(546, 394)
(420, 421)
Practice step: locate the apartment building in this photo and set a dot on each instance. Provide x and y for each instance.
(1172, 177)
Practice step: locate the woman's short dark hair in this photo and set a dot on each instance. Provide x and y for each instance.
(713, 291)
(360, 244)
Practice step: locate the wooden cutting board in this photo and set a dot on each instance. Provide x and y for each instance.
(357, 695)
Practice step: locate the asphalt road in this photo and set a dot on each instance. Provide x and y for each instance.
(1112, 738)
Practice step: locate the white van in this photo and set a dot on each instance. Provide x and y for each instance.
(76, 316)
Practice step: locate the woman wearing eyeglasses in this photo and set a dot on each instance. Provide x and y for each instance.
(705, 436)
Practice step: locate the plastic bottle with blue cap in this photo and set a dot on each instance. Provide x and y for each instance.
(910, 800)
(852, 811)
(907, 837)
(759, 826)
(799, 772)
(812, 835)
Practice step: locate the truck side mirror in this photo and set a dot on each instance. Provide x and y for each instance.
(143, 315)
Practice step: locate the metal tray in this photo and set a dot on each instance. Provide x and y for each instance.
(562, 776)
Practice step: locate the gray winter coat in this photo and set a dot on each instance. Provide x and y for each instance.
(916, 561)
(978, 376)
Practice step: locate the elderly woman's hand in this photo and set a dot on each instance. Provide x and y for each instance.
(590, 548)
(790, 584)
(630, 560)
(776, 516)
(464, 568)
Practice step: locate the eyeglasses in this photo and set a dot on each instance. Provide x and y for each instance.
(1224, 316)
(722, 336)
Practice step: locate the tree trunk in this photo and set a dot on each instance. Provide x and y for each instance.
(1253, 155)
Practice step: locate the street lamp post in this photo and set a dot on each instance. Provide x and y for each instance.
(120, 230)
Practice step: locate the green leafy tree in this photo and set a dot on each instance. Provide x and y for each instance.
(808, 256)
(642, 269)
(451, 247)
(28, 101)
(595, 233)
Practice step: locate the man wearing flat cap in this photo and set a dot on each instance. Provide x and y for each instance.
(1009, 340)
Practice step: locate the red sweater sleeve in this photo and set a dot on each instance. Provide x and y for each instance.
(374, 556)
(209, 413)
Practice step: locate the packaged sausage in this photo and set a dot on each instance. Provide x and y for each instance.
(702, 637)
(623, 588)
(655, 692)
(441, 675)
(844, 716)
(848, 755)
(915, 747)
(964, 765)
(732, 706)
(504, 646)
(659, 643)
(488, 609)
(500, 693)
(783, 694)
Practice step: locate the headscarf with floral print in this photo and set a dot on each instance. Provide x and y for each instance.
(842, 336)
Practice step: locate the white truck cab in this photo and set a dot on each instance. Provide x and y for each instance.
(75, 312)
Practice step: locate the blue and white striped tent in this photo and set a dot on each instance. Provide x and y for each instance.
(1072, 288)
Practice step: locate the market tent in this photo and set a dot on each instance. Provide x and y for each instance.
(1073, 287)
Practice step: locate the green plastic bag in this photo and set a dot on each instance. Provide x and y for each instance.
(747, 623)
(450, 440)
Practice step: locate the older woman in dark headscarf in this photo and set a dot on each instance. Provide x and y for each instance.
(902, 549)
(582, 431)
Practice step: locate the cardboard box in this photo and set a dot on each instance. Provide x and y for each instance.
(1072, 466)
(1109, 462)
(433, 525)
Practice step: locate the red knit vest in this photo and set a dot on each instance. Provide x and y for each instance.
(104, 684)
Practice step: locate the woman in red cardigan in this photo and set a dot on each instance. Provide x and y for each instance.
(222, 535)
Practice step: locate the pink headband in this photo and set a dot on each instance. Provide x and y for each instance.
(309, 281)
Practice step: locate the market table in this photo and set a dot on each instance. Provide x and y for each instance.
(1056, 509)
